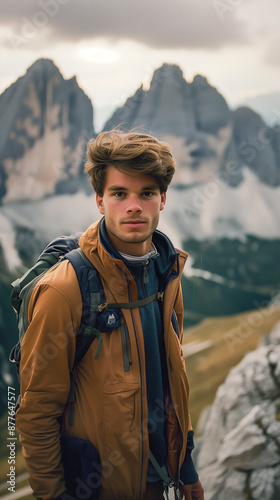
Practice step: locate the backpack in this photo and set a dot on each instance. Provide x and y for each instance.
(91, 291)
(93, 299)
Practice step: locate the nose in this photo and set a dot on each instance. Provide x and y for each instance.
(133, 205)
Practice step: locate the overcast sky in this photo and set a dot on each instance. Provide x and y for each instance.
(113, 46)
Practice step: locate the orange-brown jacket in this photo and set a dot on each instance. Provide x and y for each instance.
(110, 408)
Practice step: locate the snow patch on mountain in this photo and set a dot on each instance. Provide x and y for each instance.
(215, 209)
(7, 242)
(47, 219)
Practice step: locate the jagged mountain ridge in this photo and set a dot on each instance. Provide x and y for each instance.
(207, 137)
(173, 106)
(45, 123)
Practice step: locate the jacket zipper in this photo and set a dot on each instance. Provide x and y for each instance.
(145, 274)
(141, 377)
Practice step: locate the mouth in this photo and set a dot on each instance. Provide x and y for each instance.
(134, 223)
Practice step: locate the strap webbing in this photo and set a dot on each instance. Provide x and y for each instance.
(130, 305)
(122, 305)
(167, 481)
(84, 257)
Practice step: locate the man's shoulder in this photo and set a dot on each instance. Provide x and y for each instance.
(57, 294)
(60, 279)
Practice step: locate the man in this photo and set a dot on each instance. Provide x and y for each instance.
(133, 399)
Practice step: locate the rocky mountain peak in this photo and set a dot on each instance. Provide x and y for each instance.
(46, 122)
(256, 145)
(42, 67)
(207, 138)
(200, 81)
(193, 117)
(170, 71)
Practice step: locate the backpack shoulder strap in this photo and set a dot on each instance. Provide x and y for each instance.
(91, 292)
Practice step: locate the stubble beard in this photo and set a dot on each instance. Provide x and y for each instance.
(131, 238)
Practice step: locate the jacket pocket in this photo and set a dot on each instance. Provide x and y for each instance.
(120, 411)
(125, 347)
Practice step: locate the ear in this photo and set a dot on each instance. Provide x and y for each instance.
(162, 201)
(99, 203)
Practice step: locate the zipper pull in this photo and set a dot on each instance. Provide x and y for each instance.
(146, 275)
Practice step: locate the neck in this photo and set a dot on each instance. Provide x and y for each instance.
(139, 258)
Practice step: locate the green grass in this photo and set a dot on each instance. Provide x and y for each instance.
(231, 338)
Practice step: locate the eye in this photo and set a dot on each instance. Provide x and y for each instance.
(119, 194)
(148, 194)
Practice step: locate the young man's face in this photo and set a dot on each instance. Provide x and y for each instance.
(131, 205)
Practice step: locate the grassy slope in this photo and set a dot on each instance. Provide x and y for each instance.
(232, 337)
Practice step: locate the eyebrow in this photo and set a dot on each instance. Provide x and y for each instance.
(152, 187)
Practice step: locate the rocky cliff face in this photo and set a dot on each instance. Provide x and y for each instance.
(256, 145)
(45, 123)
(207, 138)
(193, 117)
(239, 452)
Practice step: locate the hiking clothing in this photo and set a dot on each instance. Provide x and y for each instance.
(114, 405)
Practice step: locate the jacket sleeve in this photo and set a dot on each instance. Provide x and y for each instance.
(179, 309)
(47, 354)
(188, 474)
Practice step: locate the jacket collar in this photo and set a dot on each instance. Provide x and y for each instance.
(107, 260)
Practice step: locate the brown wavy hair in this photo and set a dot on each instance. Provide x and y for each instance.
(129, 152)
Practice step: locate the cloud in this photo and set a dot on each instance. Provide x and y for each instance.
(177, 24)
(271, 55)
